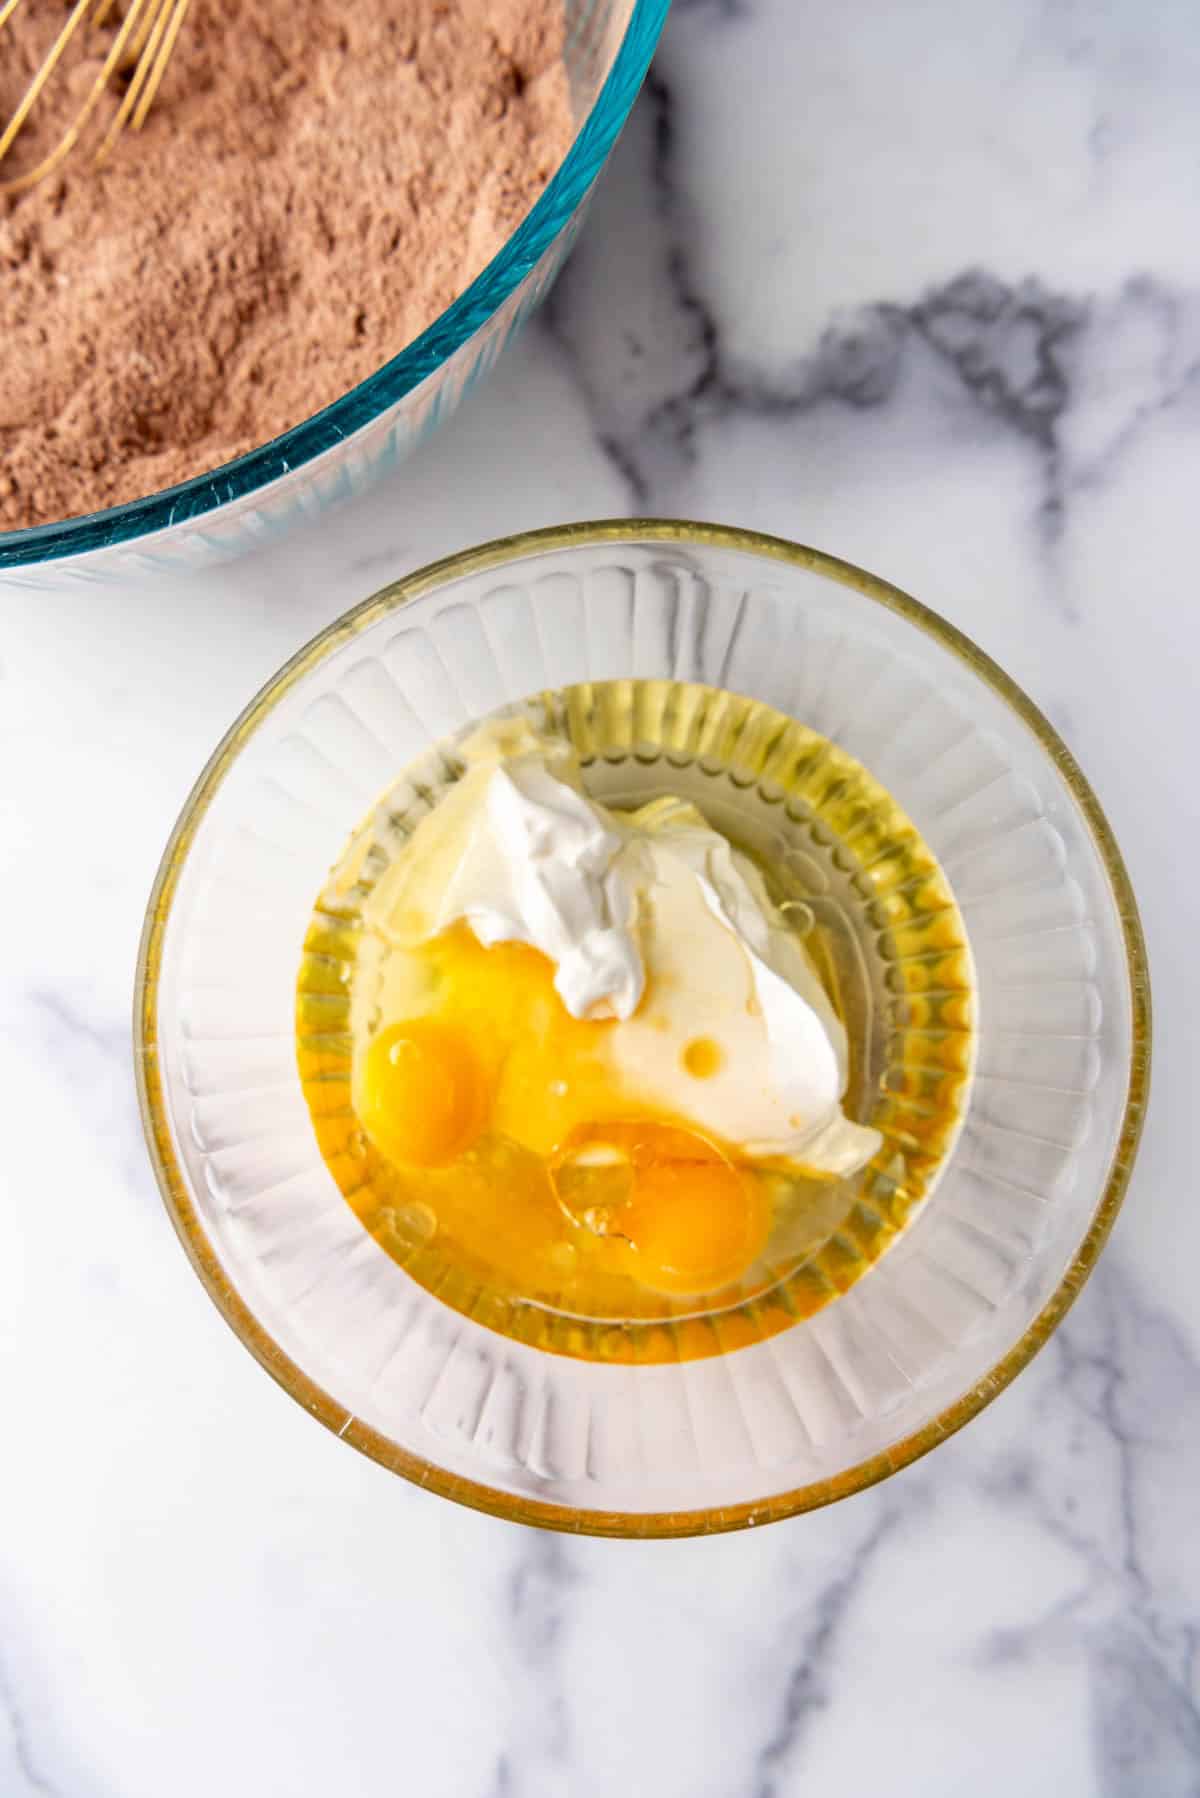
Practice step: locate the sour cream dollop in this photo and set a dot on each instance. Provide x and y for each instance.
(650, 918)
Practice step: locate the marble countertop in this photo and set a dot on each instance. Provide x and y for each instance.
(920, 285)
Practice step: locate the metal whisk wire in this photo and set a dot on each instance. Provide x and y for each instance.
(143, 43)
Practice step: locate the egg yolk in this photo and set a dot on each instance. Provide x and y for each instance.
(599, 1190)
(693, 1228)
(692, 1221)
(421, 1099)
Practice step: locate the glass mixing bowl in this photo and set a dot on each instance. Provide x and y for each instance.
(1024, 1196)
(337, 452)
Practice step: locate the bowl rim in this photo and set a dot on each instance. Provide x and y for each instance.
(190, 501)
(646, 533)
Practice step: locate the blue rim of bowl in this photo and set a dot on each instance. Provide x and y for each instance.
(550, 214)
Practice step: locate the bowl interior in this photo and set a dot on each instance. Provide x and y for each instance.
(969, 1288)
(877, 915)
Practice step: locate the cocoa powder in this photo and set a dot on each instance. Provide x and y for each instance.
(317, 181)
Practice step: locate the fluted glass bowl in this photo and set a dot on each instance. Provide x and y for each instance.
(968, 1288)
(340, 450)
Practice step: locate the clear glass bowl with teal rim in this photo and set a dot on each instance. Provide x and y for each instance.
(340, 450)
(869, 739)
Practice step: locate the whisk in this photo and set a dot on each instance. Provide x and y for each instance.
(141, 49)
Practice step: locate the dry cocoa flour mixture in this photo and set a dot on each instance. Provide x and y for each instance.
(317, 180)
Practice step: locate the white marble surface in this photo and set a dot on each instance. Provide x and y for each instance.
(919, 284)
